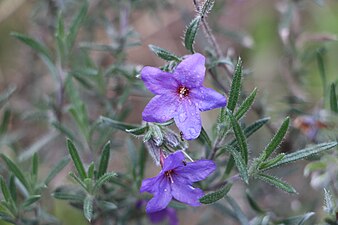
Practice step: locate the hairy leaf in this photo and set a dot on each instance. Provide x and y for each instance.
(215, 196)
(245, 106)
(164, 54)
(235, 86)
(104, 160)
(276, 182)
(190, 33)
(76, 159)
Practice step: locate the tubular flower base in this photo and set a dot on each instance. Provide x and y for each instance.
(180, 95)
(175, 181)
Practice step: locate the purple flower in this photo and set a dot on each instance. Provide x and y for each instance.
(170, 213)
(175, 181)
(180, 95)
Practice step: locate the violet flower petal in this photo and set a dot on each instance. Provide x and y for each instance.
(161, 108)
(185, 193)
(150, 184)
(158, 81)
(188, 119)
(196, 171)
(162, 197)
(191, 71)
(173, 161)
(207, 98)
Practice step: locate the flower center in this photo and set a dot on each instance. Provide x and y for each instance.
(183, 91)
(168, 174)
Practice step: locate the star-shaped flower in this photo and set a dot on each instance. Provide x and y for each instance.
(180, 95)
(175, 181)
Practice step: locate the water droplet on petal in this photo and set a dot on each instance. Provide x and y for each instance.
(192, 131)
(165, 190)
(182, 117)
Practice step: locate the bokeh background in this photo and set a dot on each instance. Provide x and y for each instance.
(277, 39)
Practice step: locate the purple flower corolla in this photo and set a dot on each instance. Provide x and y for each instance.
(175, 181)
(160, 216)
(180, 95)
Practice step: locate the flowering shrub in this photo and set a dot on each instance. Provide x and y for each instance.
(75, 145)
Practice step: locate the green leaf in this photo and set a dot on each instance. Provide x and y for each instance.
(297, 220)
(321, 67)
(330, 203)
(56, 169)
(6, 94)
(240, 137)
(75, 25)
(88, 207)
(238, 213)
(5, 121)
(204, 138)
(240, 163)
(306, 152)
(254, 205)
(245, 106)
(31, 200)
(106, 206)
(91, 169)
(235, 86)
(333, 98)
(276, 182)
(206, 7)
(62, 195)
(17, 172)
(276, 140)
(34, 44)
(271, 162)
(76, 159)
(104, 160)
(138, 130)
(103, 179)
(12, 187)
(215, 196)
(82, 183)
(164, 54)
(190, 34)
(117, 124)
(5, 192)
(35, 166)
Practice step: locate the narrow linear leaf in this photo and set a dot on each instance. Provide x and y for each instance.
(35, 165)
(164, 54)
(204, 138)
(306, 152)
(245, 106)
(116, 124)
(297, 220)
(333, 98)
(240, 137)
(321, 67)
(206, 7)
(34, 44)
(235, 86)
(67, 196)
(76, 159)
(31, 200)
(6, 94)
(105, 155)
(271, 162)
(190, 34)
(12, 187)
(240, 163)
(90, 171)
(75, 25)
(5, 192)
(16, 171)
(276, 140)
(103, 179)
(215, 196)
(56, 169)
(138, 130)
(88, 207)
(5, 121)
(254, 205)
(79, 181)
(277, 183)
(106, 206)
(7, 217)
